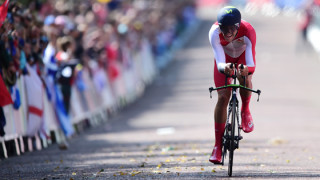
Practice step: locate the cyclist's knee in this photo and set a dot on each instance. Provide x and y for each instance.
(224, 96)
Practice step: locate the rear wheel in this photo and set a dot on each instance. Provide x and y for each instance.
(232, 144)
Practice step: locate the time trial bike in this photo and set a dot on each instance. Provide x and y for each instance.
(232, 136)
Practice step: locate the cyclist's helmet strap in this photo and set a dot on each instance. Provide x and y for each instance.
(229, 16)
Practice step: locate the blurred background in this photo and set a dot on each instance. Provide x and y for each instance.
(306, 13)
(70, 64)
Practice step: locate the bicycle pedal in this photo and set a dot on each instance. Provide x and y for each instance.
(240, 137)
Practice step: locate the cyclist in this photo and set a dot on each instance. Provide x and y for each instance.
(233, 41)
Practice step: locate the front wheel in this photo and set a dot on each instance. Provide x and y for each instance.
(232, 144)
(225, 141)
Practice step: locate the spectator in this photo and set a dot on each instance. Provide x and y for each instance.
(45, 42)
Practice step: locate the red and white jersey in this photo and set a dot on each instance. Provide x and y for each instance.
(245, 41)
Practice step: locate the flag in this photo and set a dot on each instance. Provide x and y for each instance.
(5, 97)
(3, 11)
(62, 115)
(34, 90)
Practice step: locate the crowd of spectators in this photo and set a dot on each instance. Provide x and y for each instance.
(59, 39)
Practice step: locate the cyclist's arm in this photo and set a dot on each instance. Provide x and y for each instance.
(218, 51)
(250, 41)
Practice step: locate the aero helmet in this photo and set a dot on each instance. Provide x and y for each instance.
(229, 16)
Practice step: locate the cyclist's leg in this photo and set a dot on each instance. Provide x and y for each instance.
(247, 122)
(220, 115)
(245, 93)
(220, 112)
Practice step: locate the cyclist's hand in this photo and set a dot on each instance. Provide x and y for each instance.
(244, 71)
(228, 70)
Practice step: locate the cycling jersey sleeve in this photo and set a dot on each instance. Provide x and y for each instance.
(217, 47)
(250, 41)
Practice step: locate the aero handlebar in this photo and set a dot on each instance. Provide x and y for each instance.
(235, 86)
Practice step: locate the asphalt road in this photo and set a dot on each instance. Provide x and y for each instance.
(169, 132)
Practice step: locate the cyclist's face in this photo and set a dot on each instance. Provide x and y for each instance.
(229, 32)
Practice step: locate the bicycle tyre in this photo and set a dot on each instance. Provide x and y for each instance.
(232, 145)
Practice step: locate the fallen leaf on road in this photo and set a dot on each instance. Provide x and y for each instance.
(202, 169)
(213, 171)
(55, 169)
(160, 165)
(73, 174)
(181, 160)
(98, 173)
(288, 161)
(277, 141)
(135, 173)
(122, 173)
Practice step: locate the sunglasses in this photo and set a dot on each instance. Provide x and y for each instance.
(228, 29)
